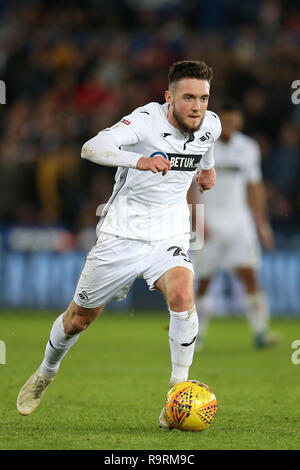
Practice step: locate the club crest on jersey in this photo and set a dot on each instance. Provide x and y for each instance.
(180, 162)
(205, 137)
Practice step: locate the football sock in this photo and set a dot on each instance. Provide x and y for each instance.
(183, 330)
(257, 311)
(57, 347)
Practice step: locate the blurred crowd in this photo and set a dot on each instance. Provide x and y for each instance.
(74, 68)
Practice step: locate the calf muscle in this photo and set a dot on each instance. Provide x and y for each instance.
(77, 319)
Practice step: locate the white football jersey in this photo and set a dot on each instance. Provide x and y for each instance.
(150, 206)
(237, 163)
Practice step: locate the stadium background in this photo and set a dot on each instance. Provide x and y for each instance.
(73, 68)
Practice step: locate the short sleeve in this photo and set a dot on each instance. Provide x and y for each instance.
(208, 159)
(216, 126)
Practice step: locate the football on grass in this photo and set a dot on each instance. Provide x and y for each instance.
(191, 406)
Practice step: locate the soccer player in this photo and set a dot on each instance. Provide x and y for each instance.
(235, 212)
(144, 228)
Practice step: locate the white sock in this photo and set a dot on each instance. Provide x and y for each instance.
(204, 312)
(183, 332)
(57, 347)
(257, 311)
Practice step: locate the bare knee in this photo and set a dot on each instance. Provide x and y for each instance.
(177, 286)
(75, 323)
(248, 278)
(77, 319)
(181, 298)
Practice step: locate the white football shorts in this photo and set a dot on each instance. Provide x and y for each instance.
(114, 263)
(230, 245)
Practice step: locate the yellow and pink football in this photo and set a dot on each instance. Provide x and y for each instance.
(191, 406)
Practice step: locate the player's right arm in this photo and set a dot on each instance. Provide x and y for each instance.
(106, 147)
(257, 198)
(206, 177)
(155, 164)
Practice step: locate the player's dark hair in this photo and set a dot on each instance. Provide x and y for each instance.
(189, 69)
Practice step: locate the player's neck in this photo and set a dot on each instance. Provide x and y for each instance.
(181, 128)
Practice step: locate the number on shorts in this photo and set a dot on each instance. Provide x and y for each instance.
(179, 251)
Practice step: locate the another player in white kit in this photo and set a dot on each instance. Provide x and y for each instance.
(235, 211)
(144, 228)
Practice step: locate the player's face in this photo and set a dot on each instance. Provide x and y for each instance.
(231, 121)
(188, 100)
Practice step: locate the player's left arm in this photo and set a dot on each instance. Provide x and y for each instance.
(258, 203)
(257, 199)
(206, 178)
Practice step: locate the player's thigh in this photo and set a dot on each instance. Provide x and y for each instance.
(248, 277)
(109, 271)
(243, 249)
(166, 255)
(177, 286)
(202, 286)
(169, 269)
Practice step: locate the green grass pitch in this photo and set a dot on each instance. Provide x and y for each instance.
(112, 384)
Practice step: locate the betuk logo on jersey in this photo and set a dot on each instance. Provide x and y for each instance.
(180, 162)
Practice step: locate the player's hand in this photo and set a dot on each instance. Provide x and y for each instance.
(206, 179)
(155, 164)
(266, 235)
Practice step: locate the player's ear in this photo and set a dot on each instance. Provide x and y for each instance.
(168, 96)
